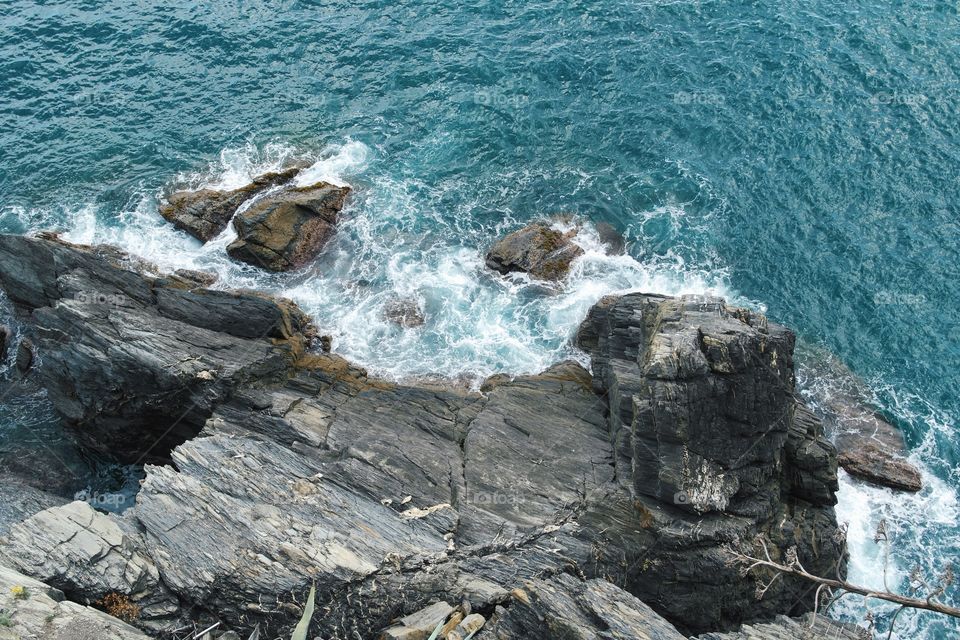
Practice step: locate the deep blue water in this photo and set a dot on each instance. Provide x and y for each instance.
(798, 157)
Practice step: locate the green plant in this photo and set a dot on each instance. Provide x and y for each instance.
(5, 620)
(300, 631)
(20, 592)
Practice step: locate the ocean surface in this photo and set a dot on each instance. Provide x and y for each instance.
(801, 158)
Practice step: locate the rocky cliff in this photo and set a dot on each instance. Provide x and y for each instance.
(551, 505)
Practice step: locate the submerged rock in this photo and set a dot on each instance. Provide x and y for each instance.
(6, 333)
(286, 230)
(391, 498)
(405, 312)
(611, 239)
(205, 214)
(543, 252)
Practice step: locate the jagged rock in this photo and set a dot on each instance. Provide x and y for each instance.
(125, 364)
(286, 230)
(543, 252)
(205, 214)
(200, 279)
(565, 607)
(24, 355)
(391, 497)
(44, 612)
(89, 555)
(807, 627)
(707, 436)
(405, 312)
(19, 501)
(611, 239)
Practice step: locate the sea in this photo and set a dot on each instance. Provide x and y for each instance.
(798, 158)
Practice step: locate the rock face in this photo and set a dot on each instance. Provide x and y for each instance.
(807, 627)
(543, 252)
(714, 447)
(137, 363)
(205, 214)
(394, 498)
(286, 230)
(35, 610)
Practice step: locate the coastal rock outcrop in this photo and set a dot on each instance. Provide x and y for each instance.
(204, 214)
(285, 230)
(538, 249)
(136, 362)
(391, 498)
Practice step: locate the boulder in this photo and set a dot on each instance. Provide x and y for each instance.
(286, 230)
(24, 355)
(204, 214)
(33, 609)
(871, 449)
(405, 312)
(538, 249)
(6, 333)
(879, 466)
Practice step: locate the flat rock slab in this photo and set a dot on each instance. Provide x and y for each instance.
(878, 466)
(284, 231)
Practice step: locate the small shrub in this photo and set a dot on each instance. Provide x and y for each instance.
(20, 592)
(119, 606)
(5, 620)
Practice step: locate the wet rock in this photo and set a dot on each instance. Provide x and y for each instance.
(871, 448)
(879, 466)
(127, 373)
(6, 333)
(543, 252)
(611, 239)
(44, 612)
(288, 229)
(25, 355)
(205, 214)
(405, 312)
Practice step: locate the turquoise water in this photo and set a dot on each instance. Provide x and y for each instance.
(799, 157)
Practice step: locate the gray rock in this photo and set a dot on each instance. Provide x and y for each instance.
(565, 607)
(6, 333)
(807, 627)
(420, 624)
(704, 421)
(44, 613)
(205, 214)
(537, 249)
(391, 498)
(19, 501)
(286, 230)
(136, 363)
(611, 238)
(24, 355)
